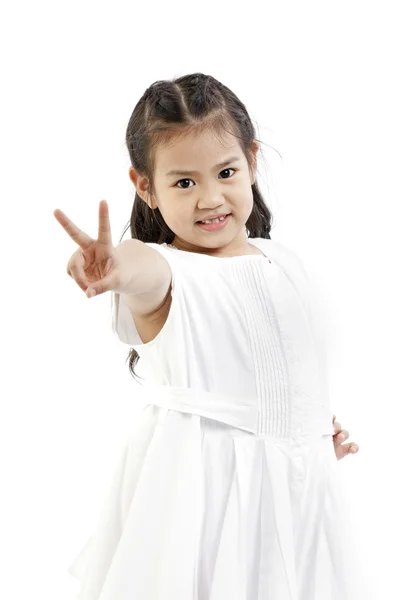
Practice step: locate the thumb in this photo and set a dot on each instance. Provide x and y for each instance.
(100, 287)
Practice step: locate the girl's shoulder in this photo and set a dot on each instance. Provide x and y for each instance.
(281, 253)
(165, 248)
(276, 249)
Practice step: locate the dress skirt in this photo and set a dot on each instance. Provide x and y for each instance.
(202, 508)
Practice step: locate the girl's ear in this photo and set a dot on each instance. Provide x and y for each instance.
(141, 184)
(138, 181)
(253, 169)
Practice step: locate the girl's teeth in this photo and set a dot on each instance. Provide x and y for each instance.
(214, 220)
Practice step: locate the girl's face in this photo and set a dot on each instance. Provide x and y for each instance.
(201, 175)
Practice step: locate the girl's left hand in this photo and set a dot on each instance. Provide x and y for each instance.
(338, 437)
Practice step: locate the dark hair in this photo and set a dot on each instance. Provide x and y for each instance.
(168, 109)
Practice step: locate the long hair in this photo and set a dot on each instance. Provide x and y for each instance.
(167, 110)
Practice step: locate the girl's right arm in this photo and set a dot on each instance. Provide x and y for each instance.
(148, 274)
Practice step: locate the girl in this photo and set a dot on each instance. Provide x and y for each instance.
(226, 487)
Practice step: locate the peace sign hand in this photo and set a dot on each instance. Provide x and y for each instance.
(94, 265)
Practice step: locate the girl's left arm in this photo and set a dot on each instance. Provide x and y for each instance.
(339, 436)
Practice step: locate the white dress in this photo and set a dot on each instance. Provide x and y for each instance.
(227, 487)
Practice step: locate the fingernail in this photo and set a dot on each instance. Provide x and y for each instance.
(91, 293)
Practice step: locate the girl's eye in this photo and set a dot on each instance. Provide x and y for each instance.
(186, 188)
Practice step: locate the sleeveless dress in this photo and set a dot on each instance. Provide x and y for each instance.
(228, 485)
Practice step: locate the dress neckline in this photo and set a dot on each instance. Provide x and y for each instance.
(261, 254)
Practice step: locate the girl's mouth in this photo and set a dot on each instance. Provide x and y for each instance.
(216, 226)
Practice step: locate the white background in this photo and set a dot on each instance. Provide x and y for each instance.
(320, 81)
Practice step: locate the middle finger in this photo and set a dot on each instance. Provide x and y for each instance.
(104, 234)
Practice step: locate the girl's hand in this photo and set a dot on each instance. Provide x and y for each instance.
(339, 436)
(94, 265)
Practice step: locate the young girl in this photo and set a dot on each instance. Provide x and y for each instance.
(226, 488)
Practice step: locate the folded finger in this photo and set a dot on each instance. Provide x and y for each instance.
(78, 274)
(346, 448)
(337, 427)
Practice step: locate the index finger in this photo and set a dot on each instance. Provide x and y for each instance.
(80, 237)
(104, 235)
